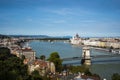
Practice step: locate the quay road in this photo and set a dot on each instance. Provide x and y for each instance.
(92, 57)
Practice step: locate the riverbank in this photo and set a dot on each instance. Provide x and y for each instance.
(102, 49)
(112, 51)
(67, 50)
(96, 48)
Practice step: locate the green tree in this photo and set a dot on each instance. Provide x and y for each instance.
(11, 67)
(87, 72)
(23, 57)
(115, 76)
(36, 76)
(42, 57)
(55, 58)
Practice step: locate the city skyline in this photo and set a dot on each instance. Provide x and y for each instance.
(60, 17)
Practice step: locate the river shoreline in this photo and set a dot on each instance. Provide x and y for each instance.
(68, 50)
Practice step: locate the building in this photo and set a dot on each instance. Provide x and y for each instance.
(76, 40)
(38, 65)
(102, 44)
(90, 42)
(42, 66)
(28, 53)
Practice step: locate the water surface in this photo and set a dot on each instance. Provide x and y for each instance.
(105, 67)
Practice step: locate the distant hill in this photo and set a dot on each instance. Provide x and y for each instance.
(30, 36)
(39, 36)
(4, 36)
(63, 36)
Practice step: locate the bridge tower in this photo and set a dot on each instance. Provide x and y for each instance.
(86, 56)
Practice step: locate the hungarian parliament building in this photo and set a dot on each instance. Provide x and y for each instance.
(76, 40)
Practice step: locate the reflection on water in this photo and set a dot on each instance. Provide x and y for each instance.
(105, 67)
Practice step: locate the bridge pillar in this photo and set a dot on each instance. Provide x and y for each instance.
(86, 56)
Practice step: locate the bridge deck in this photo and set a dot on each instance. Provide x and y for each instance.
(92, 57)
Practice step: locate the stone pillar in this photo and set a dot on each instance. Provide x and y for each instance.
(86, 56)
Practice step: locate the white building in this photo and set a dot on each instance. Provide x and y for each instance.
(76, 40)
(90, 43)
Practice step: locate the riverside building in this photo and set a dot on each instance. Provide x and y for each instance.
(28, 53)
(76, 40)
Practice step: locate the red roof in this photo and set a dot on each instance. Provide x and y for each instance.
(40, 63)
(27, 49)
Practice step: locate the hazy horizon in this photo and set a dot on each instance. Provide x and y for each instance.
(64, 36)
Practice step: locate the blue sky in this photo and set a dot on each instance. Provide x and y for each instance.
(60, 17)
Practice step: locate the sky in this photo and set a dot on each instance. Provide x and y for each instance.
(99, 18)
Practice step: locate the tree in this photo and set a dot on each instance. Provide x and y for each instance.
(115, 76)
(4, 50)
(36, 76)
(42, 57)
(23, 57)
(76, 69)
(55, 58)
(87, 72)
(11, 67)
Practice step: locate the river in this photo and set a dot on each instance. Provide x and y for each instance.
(105, 67)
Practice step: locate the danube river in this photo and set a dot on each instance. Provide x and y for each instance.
(105, 67)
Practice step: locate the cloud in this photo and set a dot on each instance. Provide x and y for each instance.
(62, 11)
